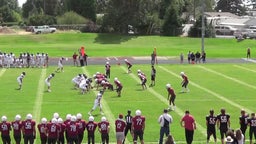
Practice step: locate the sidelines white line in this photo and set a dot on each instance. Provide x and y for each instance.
(2, 71)
(210, 92)
(227, 77)
(250, 60)
(179, 111)
(244, 68)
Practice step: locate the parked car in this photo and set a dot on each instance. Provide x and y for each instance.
(43, 29)
(252, 32)
(224, 30)
(241, 33)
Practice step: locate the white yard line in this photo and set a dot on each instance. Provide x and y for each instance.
(210, 92)
(179, 111)
(227, 77)
(2, 71)
(244, 68)
(250, 60)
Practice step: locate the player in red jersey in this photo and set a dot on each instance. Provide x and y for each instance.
(107, 85)
(61, 139)
(5, 128)
(129, 65)
(91, 127)
(72, 131)
(42, 130)
(120, 127)
(16, 125)
(29, 130)
(119, 86)
(143, 79)
(138, 126)
(52, 130)
(184, 82)
(103, 128)
(171, 96)
(66, 122)
(81, 127)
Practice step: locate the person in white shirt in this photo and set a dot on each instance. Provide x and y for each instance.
(164, 120)
(47, 81)
(97, 103)
(20, 79)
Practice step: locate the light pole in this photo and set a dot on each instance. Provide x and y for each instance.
(203, 26)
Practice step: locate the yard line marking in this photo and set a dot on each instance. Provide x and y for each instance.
(244, 68)
(177, 110)
(250, 60)
(227, 77)
(2, 71)
(210, 92)
(107, 110)
(39, 96)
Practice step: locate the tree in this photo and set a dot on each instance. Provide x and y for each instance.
(232, 6)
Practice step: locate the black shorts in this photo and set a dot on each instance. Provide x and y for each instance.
(138, 133)
(153, 77)
(119, 89)
(222, 133)
(185, 84)
(172, 99)
(144, 82)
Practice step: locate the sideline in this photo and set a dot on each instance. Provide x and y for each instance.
(249, 60)
(2, 72)
(211, 92)
(179, 111)
(244, 68)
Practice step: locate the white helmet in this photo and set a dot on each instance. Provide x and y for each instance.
(60, 120)
(56, 115)
(79, 116)
(29, 117)
(44, 120)
(182, 73)
(115, 79)
(102, 82)
(91, 118)
(4, 118)
(139, 71)
(103, 119)
(17, 117)
(73, 118)
(94, 76)
(168, 85)
(54, 120)
(68, 117)
(97, 72)
(138, 112)
(125, 59)
(107, 62)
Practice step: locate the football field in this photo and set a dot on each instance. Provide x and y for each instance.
(212, 86)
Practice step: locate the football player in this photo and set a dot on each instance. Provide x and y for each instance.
(97, 103)
(129, 65)
(61, 139)
(72, 130)
(138, 126)
(211, 120)
(171, 96)
(184, 82)
(16, 125)
(153, 75)
(223, 123)
(243, 121)
(143, 79)
(42, 130)
(60, 65)
(52, 130)
(103, 128)
(28, 129)
(120, 127)
(20, 79)
(81, 127)
(5, 128)
(91, 127)
(119, 86)
(107, 69)
(47, 81)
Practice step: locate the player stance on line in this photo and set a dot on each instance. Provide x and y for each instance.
(20, 79)
(129, 65)
(47, 81)
(184, 82)
(119, 86)
(171, 96)
(97, 103)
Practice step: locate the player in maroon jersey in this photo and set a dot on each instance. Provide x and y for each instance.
(5, 128)
(103, 128)
(61, 139)
(72, 131)
(107, 85)
(42, 130)
(119, 86)
(16, 126)
(120, 127)
(129, 65)
(52, 130)
(107, 69)
(171, 96)
(143, 79)
(184, 82)
(91, 127)
(81, 127)
(29, 130)
(138, 126)
(66, 122)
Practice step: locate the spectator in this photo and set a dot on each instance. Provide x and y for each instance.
(203, 57)
(248, 55)
(230, 133)
(181, 58)
(239, 137)
(138, 127)
(81, 60)
(189, 57)
(188, 122)
(120, 127)
(85, 58)
(164, 120)
(193, 57)
(153, 58)
(198, 57)
(229, 140)
(5, 128)
(170, 140)
(75, 59)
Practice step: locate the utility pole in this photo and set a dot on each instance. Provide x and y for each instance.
(203, 26)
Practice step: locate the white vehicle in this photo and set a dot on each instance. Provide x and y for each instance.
(43, 29)
(224, 30)
(252, 32)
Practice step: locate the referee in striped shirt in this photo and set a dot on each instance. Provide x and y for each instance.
(128, 119)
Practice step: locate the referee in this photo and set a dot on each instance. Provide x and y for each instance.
(128, 119)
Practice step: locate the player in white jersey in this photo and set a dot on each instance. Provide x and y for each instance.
(20, 79)
(60, 65)
(76, 80)
(47, 81)
(97, 103)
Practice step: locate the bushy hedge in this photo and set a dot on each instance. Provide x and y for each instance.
(71, 18)
(41, 19)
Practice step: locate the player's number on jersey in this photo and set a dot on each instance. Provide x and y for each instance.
(90, 127)
(119, 125)
(103, 127)
(212, 121)
(139, 121)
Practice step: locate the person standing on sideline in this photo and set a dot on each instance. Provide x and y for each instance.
(104, 128)
(138, 127)
(107, 69)
(128, 119)
(252, 125)
(153, 76)
(189, 123)
(248, 55)
(164, 120)
(120, 127)
(20, 79)
(42, 130)
(5, 128)
(129, 65)
(223, 123)
(16, 125)
(211, 120)
(153, 58)
(85, 58)
(203, 56)
(181, 58)
(119, 86)
(189, 57)
(91, 127)
(243, 121)
(47, 81)
(171, 96)
(29, 130)
(75, 59)
(60, 65)
(184, 83)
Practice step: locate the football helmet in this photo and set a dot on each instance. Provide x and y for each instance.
(138, 112)
(29, 116)
(103, 119)
(91, 118)
(4, 118)
(79, 116)
(17, 117)
(44, 120)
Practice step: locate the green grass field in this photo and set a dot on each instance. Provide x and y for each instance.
(211, 86)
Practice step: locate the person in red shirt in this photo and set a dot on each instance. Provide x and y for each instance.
(184, 83)
(66, 122)
(138, 127)
(189, 123)
(5, 128)
(129, 65)
(119, 86)
(81, 127)
(143, 79)
(61, 139)
(72, 131)
(91, 127)
(75, 59)
(52, 130)
(29, 129)
(16, 125)
(42, 130)
(103, 128)
(120, 127)
(171, 96)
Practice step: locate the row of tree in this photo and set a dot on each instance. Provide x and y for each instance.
(145, 16)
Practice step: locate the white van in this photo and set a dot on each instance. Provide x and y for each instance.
(224, 30)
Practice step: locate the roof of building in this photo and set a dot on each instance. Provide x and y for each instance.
(221, 14)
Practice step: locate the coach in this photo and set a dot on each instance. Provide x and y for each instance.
(164, 120)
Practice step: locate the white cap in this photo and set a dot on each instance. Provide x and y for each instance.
(168, 85)
(103, 119)
(56, 115)
(44, 120)
(79, 116)
(17, 117)
(60, 120)
(91, 118)
(68, 117)
(54, 120)
(182, 73)
(138, 112)
(4, 118)
(29, 117)
(73, 118)
(115, 79)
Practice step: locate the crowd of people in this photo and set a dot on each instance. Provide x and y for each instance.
(194, 58)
